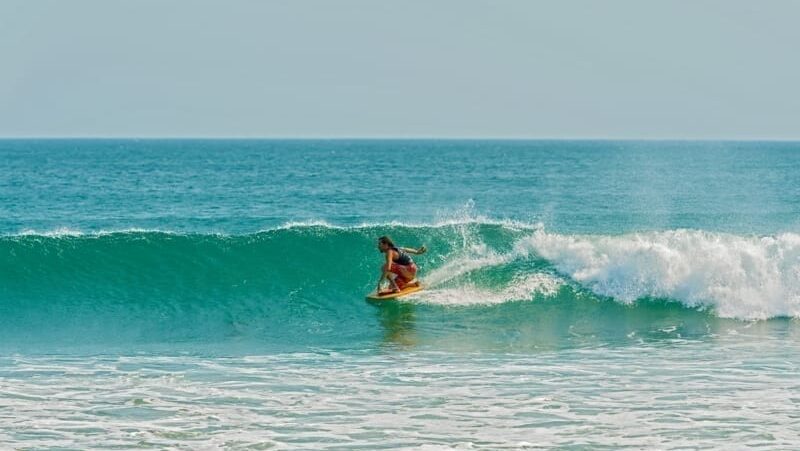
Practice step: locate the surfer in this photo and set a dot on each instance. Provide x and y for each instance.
(399, 269)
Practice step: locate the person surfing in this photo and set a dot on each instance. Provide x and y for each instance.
(399, 269)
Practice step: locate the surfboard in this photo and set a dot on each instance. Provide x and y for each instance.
(404, 292)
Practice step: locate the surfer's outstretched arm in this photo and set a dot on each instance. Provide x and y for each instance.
(420, 250)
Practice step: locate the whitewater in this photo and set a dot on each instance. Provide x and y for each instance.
(207, 294)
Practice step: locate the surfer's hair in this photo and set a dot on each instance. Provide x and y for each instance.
(386, 240)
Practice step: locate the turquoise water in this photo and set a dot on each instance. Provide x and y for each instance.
(185, 293)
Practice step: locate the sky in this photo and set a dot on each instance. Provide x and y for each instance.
(675, 69)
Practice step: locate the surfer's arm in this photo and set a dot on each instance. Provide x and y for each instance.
(411, 250)
(380, 280)
(385, 270)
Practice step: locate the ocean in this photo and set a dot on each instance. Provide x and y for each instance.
(209, 294)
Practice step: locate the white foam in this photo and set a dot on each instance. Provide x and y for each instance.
(408, 399)
(463, 216)
(55, 233)
(62, 232)
(303, 224)
(520, 289)
(744, 277)
(437, 224)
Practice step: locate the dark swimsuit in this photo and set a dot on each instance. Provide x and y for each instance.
(401, 258)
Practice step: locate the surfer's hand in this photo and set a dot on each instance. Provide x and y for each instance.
(422, 249)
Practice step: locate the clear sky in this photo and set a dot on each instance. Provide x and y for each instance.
(379, 68)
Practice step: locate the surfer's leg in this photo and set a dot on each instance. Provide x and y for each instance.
(395, 281)
(408, 273)
(399, 276)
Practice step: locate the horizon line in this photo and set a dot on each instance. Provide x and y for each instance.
(393, 138)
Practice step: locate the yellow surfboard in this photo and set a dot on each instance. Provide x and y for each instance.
(405, 291)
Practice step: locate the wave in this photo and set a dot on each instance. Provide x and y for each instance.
(315, 275)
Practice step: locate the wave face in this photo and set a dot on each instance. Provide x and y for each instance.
(305, 283)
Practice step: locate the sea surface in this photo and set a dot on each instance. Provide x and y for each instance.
(209, 294)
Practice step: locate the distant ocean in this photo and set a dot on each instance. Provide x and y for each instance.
(201, 294)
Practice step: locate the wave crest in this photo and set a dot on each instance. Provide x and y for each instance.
(737, 276)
